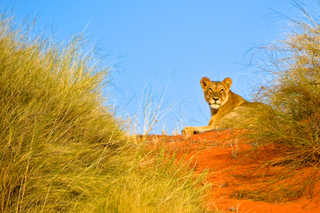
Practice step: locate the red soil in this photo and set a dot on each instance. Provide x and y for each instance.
(230, 172)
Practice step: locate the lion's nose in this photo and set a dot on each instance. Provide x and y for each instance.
(215, 99)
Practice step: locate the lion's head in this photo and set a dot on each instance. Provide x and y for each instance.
(216, 92)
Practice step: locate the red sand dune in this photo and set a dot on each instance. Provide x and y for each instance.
(223, 156)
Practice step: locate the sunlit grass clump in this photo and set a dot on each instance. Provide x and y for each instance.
(294, 94)
(61, 149)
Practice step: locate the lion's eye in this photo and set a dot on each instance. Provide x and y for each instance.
(222, 90)
(210, 90)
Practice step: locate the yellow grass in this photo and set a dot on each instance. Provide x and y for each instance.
(61, 149)
(293, 92)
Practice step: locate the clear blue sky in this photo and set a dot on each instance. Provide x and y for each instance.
(169, 45)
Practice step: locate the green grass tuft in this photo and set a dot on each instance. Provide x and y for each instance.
(61, 149)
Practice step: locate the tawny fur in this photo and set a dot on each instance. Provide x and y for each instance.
(224, 105)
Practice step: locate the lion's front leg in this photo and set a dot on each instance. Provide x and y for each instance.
(197, 130)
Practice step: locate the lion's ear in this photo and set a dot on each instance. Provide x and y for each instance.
(227, 82)
(204, 82)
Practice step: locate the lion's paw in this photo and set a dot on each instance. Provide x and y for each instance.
(189, 131)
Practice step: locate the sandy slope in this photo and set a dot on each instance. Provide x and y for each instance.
(231, 172)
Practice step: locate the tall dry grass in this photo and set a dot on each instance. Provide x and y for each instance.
(292, 64)
(61, 149)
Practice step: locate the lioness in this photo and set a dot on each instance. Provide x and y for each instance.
(228, 110)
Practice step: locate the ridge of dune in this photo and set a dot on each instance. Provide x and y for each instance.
(224, 157)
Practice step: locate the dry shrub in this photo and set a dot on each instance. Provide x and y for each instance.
(293, 66)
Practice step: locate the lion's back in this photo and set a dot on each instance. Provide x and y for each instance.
(243, 116)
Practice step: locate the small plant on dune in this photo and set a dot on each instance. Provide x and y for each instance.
(294, 94)
(234, 148)
(153, 109)
(151, 106)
